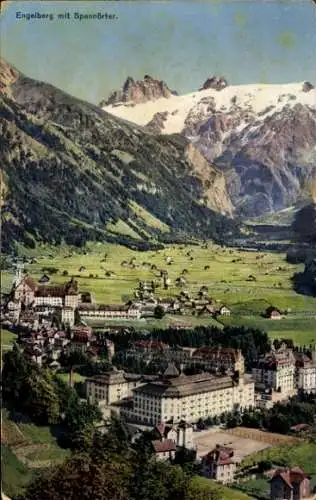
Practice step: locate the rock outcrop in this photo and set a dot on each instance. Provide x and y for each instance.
(307, 86)
(214, 82)
(136, 92)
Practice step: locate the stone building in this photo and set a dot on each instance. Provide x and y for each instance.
(175, 397)
(30, 293)
(276, 370)
(112, 387)
(305, 371)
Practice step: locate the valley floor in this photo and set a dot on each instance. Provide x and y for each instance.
(247, 282)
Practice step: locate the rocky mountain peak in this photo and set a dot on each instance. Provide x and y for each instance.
(214, 82)
(140, 91)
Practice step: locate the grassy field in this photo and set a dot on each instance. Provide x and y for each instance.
(293, 455)
(300, 330)
(15, 476)
(247, 282)
(25, 449)
(299, 455)
(7, 339)
(76, 377)
(225, 492)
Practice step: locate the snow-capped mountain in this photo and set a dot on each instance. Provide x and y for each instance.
(263, 137)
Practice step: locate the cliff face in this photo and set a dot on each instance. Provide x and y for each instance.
(213, 181)
(139, 91)
(72, 173)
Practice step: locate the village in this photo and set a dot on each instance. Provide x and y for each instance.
(52, 321)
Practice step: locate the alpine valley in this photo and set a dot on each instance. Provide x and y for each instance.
(149, 165)
(73, 172)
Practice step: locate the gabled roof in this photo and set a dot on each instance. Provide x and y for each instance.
(290, 476)
(163, 446)
(222, 455)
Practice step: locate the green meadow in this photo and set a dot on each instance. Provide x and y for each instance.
(247, 282)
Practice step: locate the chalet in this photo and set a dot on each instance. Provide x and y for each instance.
(82, 269)
(290, 484)
(273, 313)
(219, 464)
(224, 311)
(164, 450)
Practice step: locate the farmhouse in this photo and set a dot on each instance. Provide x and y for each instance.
(273, 313)
(224, 311)
(290, 484)
(164, 450)
(219, 464)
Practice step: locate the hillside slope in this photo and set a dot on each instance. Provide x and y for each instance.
(262, 137)
(72, 172)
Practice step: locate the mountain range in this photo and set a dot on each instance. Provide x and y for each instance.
(72, 172)
(261, 137)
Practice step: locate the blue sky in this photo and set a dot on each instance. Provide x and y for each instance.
(181, 42)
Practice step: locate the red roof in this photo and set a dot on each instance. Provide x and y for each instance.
(290, 476)
(163, 446)
(149, 344)
(222, 455)
(28, 280)
(216, 352)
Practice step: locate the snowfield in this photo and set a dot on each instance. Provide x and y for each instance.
(254, 98)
